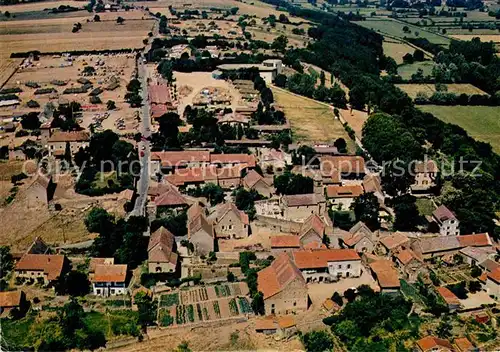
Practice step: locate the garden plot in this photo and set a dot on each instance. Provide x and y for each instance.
(203, 304)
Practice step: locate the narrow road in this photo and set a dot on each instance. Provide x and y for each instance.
(143, 145)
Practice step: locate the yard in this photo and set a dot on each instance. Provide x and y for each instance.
(481, 122)
(405, 71)
(311, 120)
(396, 49)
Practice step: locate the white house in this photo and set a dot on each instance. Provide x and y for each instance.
(447, 221)
(109, 280)
(324, 265)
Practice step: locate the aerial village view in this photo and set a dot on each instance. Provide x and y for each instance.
(227, 175)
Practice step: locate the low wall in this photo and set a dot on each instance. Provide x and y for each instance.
(281, 225)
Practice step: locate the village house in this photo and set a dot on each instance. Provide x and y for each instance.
(44, 268)
(94, 262)
(200, 230)
(226, 160)
(341, 197)
(386, 276)
(166, 196)
(58, 141)
(253, 180)
(425, 176)
(447, 222)
(439, 246)
(283, 287)
(449, 297)
(477, 255)
(10, 300)
(409, 264)
(312, 231)
(433, 344)
(192, 177)
(284, 243)
(462, 344)
(168, 162)
(489, 265)
(283, 326)
(325, 265)
(109, 280)
(160, 98)
(392, 243)
(373, 184)
(493, 283)
(161, 255)
(360, 238)
(273, 161)
(230, 222)
(230, 177)
(350, 167)
(300, 206)
(40, 191)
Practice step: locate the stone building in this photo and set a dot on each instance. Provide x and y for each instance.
(200, 230)
(161, 255)
(229, 221)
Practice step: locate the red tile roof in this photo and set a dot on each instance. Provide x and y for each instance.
(198, 221)
(158, 110)
(448, 296)
(346, 164)
(463, 344)
(170, 197)
(161, 247)
(99, 261)
(10, 299)
(223, 209)
(495, 275)
(286, 321)
(336, 191)
(297, 200)
(73, 136)
(315, 259)
(387, 275)
(233, 159)
(193, 174)
(314, 245)
(430, 342)
(425, 167)
(285, 241)
(395, 240)
(278, 275)
(110, 273)
(159, 94)
(266, 323)
(407, 255)
(476, 240)
(252, 177)
(313, 222)
(182, 157)
(52, 265)
(442, 213)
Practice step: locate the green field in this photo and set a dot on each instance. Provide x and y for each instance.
(481, 122)
(405, 71)
(395, 29)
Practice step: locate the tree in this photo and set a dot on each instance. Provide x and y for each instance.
(406, 211)
(169, 129)
(340, 144)
(350, 295)
(365, 208)
(337, 298)
(74, 283)
(183, 347)
(6, 261)
(418, 55)
(280, 43)
(444, 329)
(231, 277)
(397, 177)
(280, 80)
(474, 286)
(110, 105)
(408, 58)
(293, 184)
(258, 303)
(165, 68)
(147, 309)
(120, 20)
(317, 341)
(100, 221)
(475, 271)
(134, 85)
(30, 121)
(322, 78)
(97, 18)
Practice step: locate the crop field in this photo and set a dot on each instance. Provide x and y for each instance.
(481, 122)
(405, 71)
(395, 29)
(40, 6)
(311, 120)
(484, 37)
(55, 35)
(396, 50)
(413, 88)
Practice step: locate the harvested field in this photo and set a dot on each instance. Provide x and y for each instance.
(7, 68)
(396, 50)
(463, 88)
(55, 35)
(481, 122)
(310, 120)
(356, 119)
(484, 37)
(262, 34)
(39, 6)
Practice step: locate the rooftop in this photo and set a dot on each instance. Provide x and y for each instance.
(50, 264)
(10, 299)
(278, 275)
(336, 191)
(296, 200)
(316, 259)
(285, 241)
(442, 213)
(161, 247)
(110, 273)
(433, 343)
(387, 275)
(394, 240)
(447, 295)
(73, 136)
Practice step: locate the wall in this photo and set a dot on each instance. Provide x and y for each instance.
(231, 226)
(164, 267)
(280, 225)
(293, 298)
